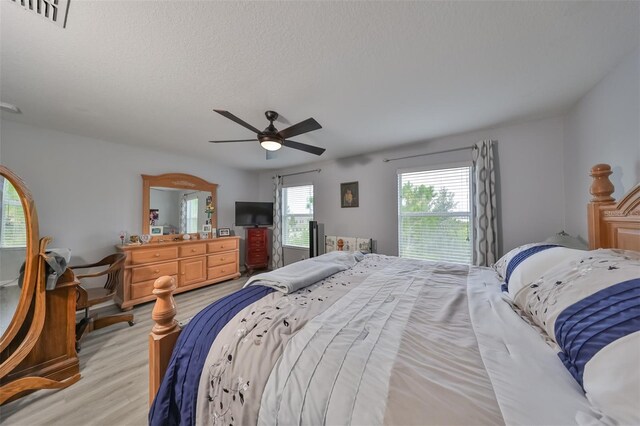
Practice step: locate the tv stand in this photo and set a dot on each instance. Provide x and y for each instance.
(257, 249)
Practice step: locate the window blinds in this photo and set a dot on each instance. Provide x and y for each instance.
(297, 211)
(13, 231)
(434, 214)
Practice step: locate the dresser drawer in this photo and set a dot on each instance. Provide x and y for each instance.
(256, 256)
(192, 250)
(144, 288)
(221, 259)
(257, 243)
(222, 245)
(156, 254)
(144, 273)
(221, 271)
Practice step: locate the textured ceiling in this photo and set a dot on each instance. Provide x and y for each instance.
(374, 74)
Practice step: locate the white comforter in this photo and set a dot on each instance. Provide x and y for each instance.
(388, 341)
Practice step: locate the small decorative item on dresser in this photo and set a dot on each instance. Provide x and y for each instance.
(186, 237)
(206, 228)
(224, 232)
(204, 235)
(214, 232)
(123, 235)
(349, 196)
(134, 239)
(145, 238)
(155, 230)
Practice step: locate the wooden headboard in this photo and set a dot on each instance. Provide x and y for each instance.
(612, 224)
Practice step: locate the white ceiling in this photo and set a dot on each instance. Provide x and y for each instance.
(374, 74)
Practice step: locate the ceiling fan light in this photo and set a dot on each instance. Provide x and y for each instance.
(271, 144)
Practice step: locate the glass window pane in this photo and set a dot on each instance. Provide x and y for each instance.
(297, 211)
(434, 215)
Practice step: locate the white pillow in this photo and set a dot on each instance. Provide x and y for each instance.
(590, 306)
(565, 240)
(531, 268)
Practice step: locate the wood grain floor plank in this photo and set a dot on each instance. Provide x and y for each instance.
(114, 364)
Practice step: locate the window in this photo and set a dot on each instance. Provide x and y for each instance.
(13, 233)
(434, 214)
(297, 211)
(192, 215)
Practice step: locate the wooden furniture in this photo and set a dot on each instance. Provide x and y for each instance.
(611, 225)
(176, 181)
(37, 349)
(91, 296)
(257, 249)
(193, 263)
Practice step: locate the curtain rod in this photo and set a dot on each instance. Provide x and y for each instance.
(298, 173)
(386, 160)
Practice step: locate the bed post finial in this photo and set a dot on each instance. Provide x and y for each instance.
(164, 334)
(601, 187)
(164, 311)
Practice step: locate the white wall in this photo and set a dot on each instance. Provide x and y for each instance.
(603, 127)
(87, 190)
(531, 193)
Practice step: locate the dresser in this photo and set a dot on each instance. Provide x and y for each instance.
(193, 264)
(257, 249)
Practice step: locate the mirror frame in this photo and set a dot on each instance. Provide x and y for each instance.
(31, 258)
(178, 181)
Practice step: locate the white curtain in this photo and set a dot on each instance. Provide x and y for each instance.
(277, 258)
(183, 214)
(485, 208)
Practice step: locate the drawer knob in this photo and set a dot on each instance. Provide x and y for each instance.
(156, 271)
(222, 258)
(157, 255)
(193, 249)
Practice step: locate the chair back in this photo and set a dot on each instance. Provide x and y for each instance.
(115, 273)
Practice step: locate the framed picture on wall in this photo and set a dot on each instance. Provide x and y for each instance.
(349, 196)
(155, 230)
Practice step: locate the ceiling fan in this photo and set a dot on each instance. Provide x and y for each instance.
(271, 139)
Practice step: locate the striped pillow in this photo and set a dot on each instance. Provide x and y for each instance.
(590, 306)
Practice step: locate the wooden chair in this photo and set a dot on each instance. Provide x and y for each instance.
(88, 297)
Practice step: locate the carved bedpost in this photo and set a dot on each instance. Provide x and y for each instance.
(164, 334)
(601, 190)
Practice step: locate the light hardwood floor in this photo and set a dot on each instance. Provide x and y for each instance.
(114, 367)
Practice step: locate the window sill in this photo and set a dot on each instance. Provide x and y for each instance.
(296, 247)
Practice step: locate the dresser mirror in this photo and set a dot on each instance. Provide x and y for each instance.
(176, 204)
(18, 251)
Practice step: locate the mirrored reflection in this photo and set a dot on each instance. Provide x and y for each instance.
(13, 242)
(178, 211)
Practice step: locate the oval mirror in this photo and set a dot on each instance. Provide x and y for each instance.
(18, 253)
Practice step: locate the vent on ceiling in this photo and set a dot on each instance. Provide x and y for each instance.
(52, 10)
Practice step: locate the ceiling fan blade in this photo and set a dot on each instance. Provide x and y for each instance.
(232, 117)
(271, 155)
(237, 140)
(305, 126)
(304, 147)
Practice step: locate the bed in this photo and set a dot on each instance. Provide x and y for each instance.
(347, 338)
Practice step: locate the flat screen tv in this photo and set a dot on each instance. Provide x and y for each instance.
(254, 214)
